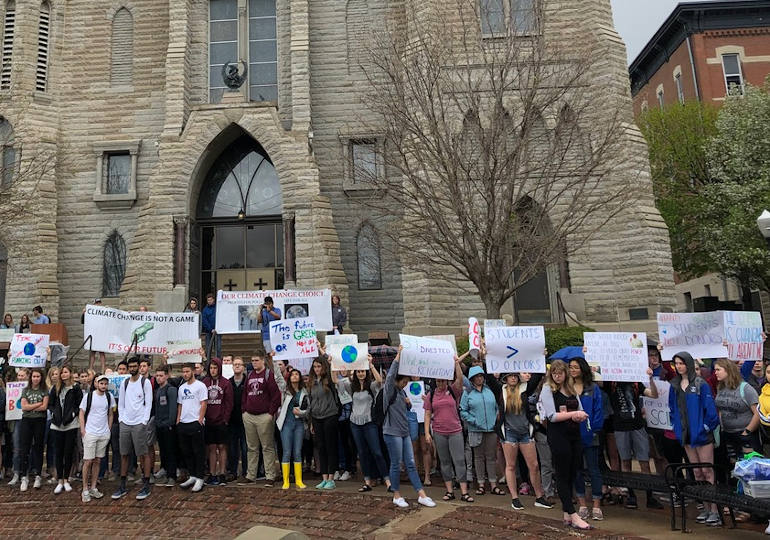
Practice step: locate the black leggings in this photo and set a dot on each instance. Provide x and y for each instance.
(64, 442)
(31, 437)
(326, 438)
(567, 457)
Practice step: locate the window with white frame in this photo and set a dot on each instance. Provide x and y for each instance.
(731, 66)
(679, 87)
(116, 169)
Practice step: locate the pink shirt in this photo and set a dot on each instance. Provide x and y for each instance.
(444, 414)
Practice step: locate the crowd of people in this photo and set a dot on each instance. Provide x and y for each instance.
(517, 434)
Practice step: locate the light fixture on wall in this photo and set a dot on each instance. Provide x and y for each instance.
(241, 214)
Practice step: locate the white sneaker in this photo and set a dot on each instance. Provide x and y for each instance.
(187, 483)
(58, 489)
(767, 531)
(426, 501)
(95, 493)
(198, 485)
(85, 496)
(336, 475)
(345, 476)
(400, 502)
(24, 484)
(67, 486)
(14, 480)
(161, 473)
(38, 482)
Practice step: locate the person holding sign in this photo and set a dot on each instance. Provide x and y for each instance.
(267, 313)
(324, 413)
(694, 417)
(291, 424)
(34, 403)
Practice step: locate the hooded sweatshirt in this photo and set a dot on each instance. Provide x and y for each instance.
(764, 405)
(261, 394)
(693, 412)
(220, 403)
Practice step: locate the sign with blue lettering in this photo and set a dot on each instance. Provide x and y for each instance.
(743, 332)
(515, 349)
(426, 357)
(293, 338)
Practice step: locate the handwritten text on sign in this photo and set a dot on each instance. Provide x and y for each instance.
(29, 350)
(184, 352)
(656, 411)
(424, 357)
(293, 338)
(474, 336)
(743, 332)
(622, 356)
(515, 349)
(700, 334)
(13, 392)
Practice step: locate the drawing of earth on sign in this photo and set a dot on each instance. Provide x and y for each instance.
(29, 349)
(414, 389)
(297, 311)
(349, 354)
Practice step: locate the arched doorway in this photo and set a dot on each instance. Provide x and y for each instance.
(238, 226)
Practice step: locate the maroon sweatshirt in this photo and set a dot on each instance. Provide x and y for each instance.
(220, 403)
(261, 394)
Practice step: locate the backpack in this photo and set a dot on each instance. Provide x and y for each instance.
(378, 406)
(88, 404)
(144, 398)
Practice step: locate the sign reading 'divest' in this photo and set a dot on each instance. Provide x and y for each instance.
(238, 311)
(293, 338)
(743, 332)
(621, 356)
(700, 334)
(515, 349)
(425, 357)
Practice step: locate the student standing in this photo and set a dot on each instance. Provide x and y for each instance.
(238, 449)
(165, 398)
(64, 400)
(218, 409)
(96, 415)
(34, 403)
(291, 424)
(209, 326)
(190, 418)
(324, 411)
(267, 313)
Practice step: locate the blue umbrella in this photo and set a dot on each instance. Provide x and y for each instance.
(568, 353)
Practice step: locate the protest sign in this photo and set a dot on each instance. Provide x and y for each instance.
(656, 411)
(621, 356)
(415, 391)
(28, 350)
(474, 336)
(333, 344)
(353, 356)
(302, 365)
(493, 323)
(515, 349)
(6, 335)
(700, 334)
(184, 352)
(449, 338)
(238, 311)
(743, 332)
(227, 367)
(425, 357)
(13, 392)
(293, 338)
(113, 383)
(114, 330)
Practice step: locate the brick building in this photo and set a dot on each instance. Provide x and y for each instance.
(166, 186)
(700, 51)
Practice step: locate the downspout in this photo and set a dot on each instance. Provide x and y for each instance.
(692, 64)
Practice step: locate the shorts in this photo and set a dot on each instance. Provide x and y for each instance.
(152, 435)
(95, 446)
(216, 434)
(633, 444)
(267, 346)
(516, 438)
(133, 437)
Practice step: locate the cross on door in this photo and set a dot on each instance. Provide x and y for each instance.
(260, 284)
(230, 284)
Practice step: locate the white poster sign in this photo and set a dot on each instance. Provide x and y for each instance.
(621, 356)
(302, 365)
(13, 392)
(29, 350)
(334, 343)
(515, 349)
(113, 384)
(354, 356)
(238, 311)
(293, 338)
(114, 330)
(493, 323)
(184, 352)
(474, 336)
(425, 357)
(656, 411)
(6, 335)
(700, 334)
(227, 367)
(743, 332)
(415, 391)
(449, 338)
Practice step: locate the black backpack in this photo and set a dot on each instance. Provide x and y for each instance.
(378, 405)
(88, 404)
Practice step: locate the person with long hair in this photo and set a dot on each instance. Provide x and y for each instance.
(694, 417)
(592, 403)
(25, 325)
(34, 403)
(291, 424)
(364, 387)
(8, 324)
(324, 411)
(64, 403)
(516, 434)
(51, 380)
(562, 410)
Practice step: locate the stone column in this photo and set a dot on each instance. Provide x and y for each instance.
(180, 240)
(289, 263)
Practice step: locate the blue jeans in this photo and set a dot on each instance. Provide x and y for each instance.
(591, 454)
(400, 450)
(217, 344)
(292, 434)
(367, 440)
(237, 448)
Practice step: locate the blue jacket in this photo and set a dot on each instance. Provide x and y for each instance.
(479, 409)
(209, 318)
(591, 400)
(701, 414)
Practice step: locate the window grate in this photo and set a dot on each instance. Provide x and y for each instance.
(9, 25)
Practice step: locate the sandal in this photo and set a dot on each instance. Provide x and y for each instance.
(497, 491)
(364, 488)
(448, 496)
(589, 527)
(467, 498)
(480, 491)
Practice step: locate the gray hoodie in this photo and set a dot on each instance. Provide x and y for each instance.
(396, 423)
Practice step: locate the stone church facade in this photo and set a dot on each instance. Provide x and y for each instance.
(163, 184)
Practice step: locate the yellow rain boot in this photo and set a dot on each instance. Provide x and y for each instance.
(285, 470)
(298, 475)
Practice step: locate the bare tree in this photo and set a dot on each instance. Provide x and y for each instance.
(498, 155)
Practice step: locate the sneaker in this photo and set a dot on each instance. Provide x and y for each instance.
(516, 504)
(426, 501)
(119, 493)
(161, 473)
(95, 493)
(702, 516)
(631, 502)
(170, 482)
(24, 484)
(322, 484)
(245, 481)
(58, 489)
(261, 477)
(38, 482)
(67, 486)
(130, 478)
(345, 476)
(714, 519)
(198, 485)
(85, 496)
(188, 483)
(767, 531)
(542, 502)
(597, 515)
(654, 504)
(139, 481)
(269, 483)
(401, 503)
(583, 513)
(152, 479)
(212, 480)
(144, 492)
(330, 485)
(14, 480)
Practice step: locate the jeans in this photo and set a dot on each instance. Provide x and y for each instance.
(591, 455)
(167, 444)
(546, 464)
(31, 435)
(400, 450)
(217, 344)
(367, 439)
(17, 446)
(292, 433)
(238, 449)
(190, 436)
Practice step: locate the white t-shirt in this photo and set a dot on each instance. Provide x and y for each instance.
(190, 397)
(134, 406)
(97, 421)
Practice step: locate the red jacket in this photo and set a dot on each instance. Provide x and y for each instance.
(220, 403)
(261, 394)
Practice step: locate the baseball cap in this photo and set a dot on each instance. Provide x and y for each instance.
(97, 300)
(100, 377)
